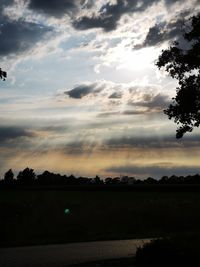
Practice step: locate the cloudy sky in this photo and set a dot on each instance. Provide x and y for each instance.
(83, 94)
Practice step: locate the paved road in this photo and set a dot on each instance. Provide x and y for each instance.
(66, 254)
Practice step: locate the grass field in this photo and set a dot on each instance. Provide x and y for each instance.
(38, 217)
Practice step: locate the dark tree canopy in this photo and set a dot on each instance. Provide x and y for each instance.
(184, 65)
(3, 75)
(9, 176)
(27, 176)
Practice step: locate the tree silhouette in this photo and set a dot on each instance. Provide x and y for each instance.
(27, 176)
(97, 180)
(9, 176)
(3, 75)
(183, 64)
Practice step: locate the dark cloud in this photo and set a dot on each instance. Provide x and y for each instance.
(59, 8)
(83, 90)
(155, 36)
(110, 14)
(53, 7)
(118, 113)
(143, 143)
(153, 142)
(8, 133)
(19, 36)
(134, 112)
(107, 18)
(79, 91)
(84, 23)
(156, 170)
(156, 102)
(165, 31)
(116, 95)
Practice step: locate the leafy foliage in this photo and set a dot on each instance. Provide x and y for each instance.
(184, 65)
(3, 75)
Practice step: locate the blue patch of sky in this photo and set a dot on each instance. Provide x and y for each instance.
(47, 75)
(76, 41)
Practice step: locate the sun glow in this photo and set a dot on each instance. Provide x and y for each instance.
(137, 60)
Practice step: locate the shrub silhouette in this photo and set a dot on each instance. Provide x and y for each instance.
(180, 250)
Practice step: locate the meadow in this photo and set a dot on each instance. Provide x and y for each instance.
(30, 217)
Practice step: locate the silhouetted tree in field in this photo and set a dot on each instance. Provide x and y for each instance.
(116, 180)
(3, 75)
(46, 178)
(97, 180)
(84, 180)
(50, 178)
(164, 180)
(9, 176)
(183, 64)
(27, 176)
(150, 180)
(108, 180)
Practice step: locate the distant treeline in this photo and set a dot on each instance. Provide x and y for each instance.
(28, 177)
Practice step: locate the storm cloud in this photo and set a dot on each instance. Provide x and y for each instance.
(60, 8)
(152, 142)
(81, 91)
(106, 17)
(109, 14)
(8, 133)
(53, 7)
(152, 102)
(108, 89)
(165, 31)
(19, 36)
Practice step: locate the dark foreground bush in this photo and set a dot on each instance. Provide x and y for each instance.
(182, 250)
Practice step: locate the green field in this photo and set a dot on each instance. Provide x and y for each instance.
(40, 217)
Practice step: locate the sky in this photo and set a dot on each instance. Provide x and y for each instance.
(83, 93)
